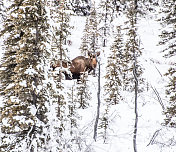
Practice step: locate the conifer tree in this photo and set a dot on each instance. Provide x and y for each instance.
(168, 40)
(83, 94)
(81, 7)
(104, 123)
(60, 31)
(85, 43)
(23, 114)
(60, 109)
(72, 106)
(91, 34)
(64, 104)
(132, 51)
(60, 27)
(106, 17)
(133, 80)
(113, 80)
(114, 68)
(1, 10)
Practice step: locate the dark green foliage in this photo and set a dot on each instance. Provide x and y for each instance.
(91, 34)
(83, 94)
(22, 76)
(168, 40)
(114, 70)
(81, 7)
(106, 17)
(132, 52)
(85, 40)
(104, 123)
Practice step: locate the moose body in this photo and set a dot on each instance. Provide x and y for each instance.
(79, 66)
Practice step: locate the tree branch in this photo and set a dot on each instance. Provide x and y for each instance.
(159, 98)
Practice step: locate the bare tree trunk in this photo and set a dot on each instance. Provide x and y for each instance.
(136, 111)
(98, 106)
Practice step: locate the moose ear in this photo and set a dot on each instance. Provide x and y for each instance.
(98, 53)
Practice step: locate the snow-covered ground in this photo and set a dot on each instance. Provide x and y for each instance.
(152, 136)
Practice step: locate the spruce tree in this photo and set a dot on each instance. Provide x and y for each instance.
(133, 80)
(80, 7)
(113, 80)
(1, 10)
(83, 94)
(23, 114)
(91, 34)
(114, 68)
(106, 16)
(63, 104)
(60, 17)
(168, 40)
(85, 42)
(132, 51)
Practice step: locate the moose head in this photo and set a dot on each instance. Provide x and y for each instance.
(92, 58)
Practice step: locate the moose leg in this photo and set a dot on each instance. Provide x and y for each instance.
(76, 76)
(94, 73)
(91, 71)
(67, 76)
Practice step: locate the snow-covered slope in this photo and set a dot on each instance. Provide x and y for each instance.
(152, 136)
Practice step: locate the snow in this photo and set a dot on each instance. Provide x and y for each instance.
(120, 133)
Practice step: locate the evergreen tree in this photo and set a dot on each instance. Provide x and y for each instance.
(85, 43)
(106, 17)
(132, 51)
(104, 123)
(114, 80)
(83, 94)
(81, 7)
(72, 106)
(168, 40)
(63, 111)
(114, 68)
(132, 78)
(1, 10)
(91, 34)
(60, 17)
(24, 109)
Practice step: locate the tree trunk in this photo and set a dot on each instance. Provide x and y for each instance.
(98, 106)
(136, 111)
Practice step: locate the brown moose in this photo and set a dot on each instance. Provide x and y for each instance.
(79, 65)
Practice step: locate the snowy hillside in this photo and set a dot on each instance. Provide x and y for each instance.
(152, 136)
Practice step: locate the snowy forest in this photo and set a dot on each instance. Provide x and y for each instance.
(124, 100)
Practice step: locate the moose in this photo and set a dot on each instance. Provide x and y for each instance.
(79, 65)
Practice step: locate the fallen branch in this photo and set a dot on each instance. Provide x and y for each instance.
(159, 98)
(153, 137)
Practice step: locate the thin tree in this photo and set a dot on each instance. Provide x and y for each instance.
(134, 71)
(114, 68)
(91, 34)
(113, 80)
(106, 16)
(98, 105)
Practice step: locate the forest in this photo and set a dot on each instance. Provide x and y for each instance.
(122, 97)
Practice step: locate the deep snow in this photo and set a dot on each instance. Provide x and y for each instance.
(152, 136)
